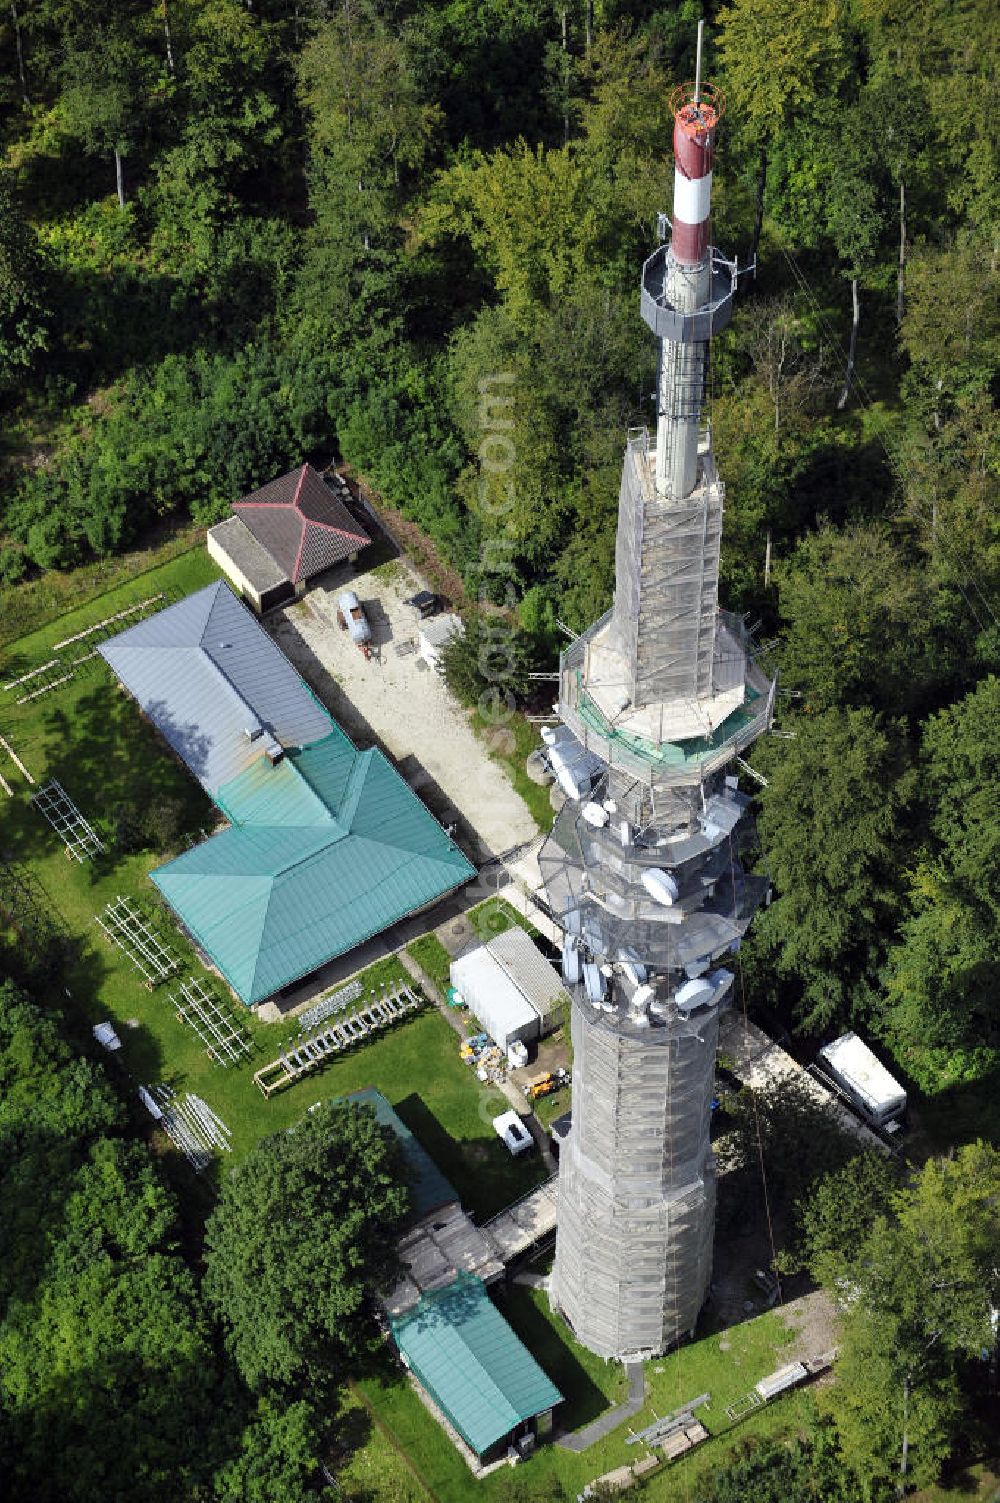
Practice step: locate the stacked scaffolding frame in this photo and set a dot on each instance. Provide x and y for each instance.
(383, 1011)
(81, 840)
(124, 925)
(225, 1042)
(189, 1123)
(327, 1006)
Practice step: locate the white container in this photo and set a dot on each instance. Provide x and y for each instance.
(512, 1133)
(517, 1054)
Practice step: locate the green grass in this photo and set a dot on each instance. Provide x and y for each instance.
(588, 1384)
(510, 745)
(29, 606)
(754, 1349)
(433, 959)
(976, 1484)
(589, 1387)
(548, 1108)
(373, 1466)
(495, 916)
(91, 737)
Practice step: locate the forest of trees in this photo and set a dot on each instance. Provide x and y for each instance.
(114, 1378)
(235, 233)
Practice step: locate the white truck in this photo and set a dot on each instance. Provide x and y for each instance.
(864, 1080)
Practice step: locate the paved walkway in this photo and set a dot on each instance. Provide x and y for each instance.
(583, 1439)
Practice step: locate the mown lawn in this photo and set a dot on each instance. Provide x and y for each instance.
(510, 745)
(90, 736)
(431, 955)
(495, 916)
(589, 1387)
(44, 610)
(53, 594)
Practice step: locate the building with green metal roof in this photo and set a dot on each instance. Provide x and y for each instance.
(477, 1371)
(327, 845)
(325, 849)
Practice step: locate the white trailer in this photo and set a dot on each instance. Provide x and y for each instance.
(879, 1098)
(352, 619)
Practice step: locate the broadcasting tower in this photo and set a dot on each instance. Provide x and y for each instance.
(642, 868)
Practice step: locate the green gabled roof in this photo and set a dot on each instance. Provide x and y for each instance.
(471, 1363)
(326, 848)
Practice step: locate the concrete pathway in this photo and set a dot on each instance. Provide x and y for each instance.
(583, 1439)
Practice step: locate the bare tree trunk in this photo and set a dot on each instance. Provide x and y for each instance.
(902, 251)
(20, 53)
(120, 178)
(852, 347)
(758, 219)
(565, 48)
(589, 23)
(767, 560)
(904, 1458)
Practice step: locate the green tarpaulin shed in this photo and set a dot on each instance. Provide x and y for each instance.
(480, 1375)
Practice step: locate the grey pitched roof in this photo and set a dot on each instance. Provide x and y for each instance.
(250, 557)
(206, 673)
(303, 525)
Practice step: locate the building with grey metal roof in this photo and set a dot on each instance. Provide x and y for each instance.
(216, 687)
(326, 845)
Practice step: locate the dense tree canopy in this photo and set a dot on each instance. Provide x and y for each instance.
(918, 1299)
(304, 1232)
(835, 834)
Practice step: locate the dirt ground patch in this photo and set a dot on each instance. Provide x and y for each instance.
(813, 1319)
(398, 702)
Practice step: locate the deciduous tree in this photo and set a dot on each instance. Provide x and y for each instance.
(303, 1235)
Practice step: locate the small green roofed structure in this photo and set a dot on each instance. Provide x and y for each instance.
(479, 1374)
(429, 1190)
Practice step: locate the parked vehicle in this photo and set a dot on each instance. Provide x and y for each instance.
(512, 1133)
(864, 1080)
(352, 619)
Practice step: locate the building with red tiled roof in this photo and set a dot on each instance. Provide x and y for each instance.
(286, 532)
